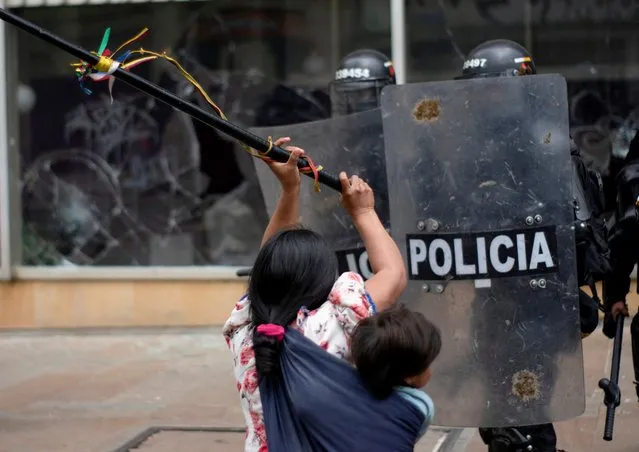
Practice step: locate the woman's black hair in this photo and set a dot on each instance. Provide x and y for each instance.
(294, 268)
(392, 346)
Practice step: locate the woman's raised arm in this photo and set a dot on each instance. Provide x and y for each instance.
(389, 279)
(287, 212)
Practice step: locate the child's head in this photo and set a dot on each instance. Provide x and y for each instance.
(395, 348)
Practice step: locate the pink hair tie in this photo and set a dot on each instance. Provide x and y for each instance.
(272, 330)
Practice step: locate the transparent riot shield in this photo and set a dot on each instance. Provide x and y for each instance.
(352, 143)
(479, 183)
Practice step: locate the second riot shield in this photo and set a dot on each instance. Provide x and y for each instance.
(480, 195)
(352, 143)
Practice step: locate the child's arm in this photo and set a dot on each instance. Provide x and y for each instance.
(422, 402)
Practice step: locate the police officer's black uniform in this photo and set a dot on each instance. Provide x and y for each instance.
(624, 248)
(503, 58)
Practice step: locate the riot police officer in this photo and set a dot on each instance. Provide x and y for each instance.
(505, 58)
(356, 87)
(359, 80)
(624, 247)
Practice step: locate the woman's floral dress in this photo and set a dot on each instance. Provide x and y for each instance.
(330, 326)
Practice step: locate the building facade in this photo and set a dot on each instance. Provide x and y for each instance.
(127, 212)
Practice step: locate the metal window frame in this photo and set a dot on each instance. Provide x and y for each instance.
(56, 3)
(122, 273)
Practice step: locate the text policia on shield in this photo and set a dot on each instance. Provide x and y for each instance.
(493, 255)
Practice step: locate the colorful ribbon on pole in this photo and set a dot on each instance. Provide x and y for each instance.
(109, 62)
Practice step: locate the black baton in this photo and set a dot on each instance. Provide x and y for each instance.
(612, 393)
(242, 135)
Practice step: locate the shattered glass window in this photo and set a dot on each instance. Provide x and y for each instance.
(131, 181)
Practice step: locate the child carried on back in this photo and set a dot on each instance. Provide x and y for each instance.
(393, 351)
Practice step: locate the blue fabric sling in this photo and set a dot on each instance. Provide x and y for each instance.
(319, 403)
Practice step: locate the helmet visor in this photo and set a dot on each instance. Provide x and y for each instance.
(355, 97)
(524, 68)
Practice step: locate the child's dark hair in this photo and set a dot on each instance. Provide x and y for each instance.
(389, 347)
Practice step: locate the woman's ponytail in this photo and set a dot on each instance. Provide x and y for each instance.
(267, 344)
(294, 268)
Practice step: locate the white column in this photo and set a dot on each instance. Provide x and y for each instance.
(398, 38)
(335, 52)
(528, 35)
(10, 200)
(5, 233)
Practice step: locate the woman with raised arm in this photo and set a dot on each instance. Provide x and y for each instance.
(296, 298)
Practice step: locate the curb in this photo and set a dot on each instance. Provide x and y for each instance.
(448, 442)
(148, 432)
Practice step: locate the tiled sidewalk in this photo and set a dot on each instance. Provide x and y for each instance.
(95, 392)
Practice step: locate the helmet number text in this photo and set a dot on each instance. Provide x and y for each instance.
(341, 74)
(475, 62)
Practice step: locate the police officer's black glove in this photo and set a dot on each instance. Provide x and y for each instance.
(609, 326)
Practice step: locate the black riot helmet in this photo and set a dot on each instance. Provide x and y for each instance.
(359, 80)
(498, 58)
